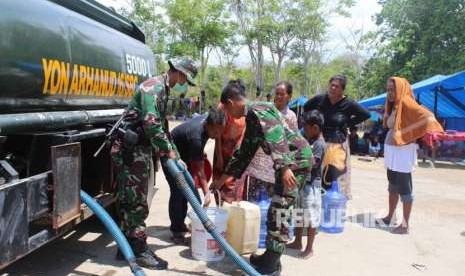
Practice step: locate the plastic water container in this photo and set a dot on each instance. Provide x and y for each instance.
(243, 226)
(263, 203)
(203, 246)
(291, 232)
(333, 210)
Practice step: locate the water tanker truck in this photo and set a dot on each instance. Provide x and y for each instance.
(67, 70)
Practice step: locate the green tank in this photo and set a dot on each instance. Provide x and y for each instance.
(68, 55)
(67, 70)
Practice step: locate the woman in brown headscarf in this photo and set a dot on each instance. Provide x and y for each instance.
(407, 121)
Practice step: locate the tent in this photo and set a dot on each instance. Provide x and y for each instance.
(444, 95)
(297, 105)
(375, 115)
(422, 86)
(298, 102)
(374, 101)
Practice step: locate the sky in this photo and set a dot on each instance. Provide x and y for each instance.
(362, 18)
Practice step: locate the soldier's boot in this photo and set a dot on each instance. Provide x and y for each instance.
(149, 260)
(145, 257)
(162, 263)
(269, 263)
(119, 255)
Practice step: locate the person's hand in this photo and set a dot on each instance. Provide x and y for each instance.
(288, 179)
(217, 184)
(171, 154)
(207, 199)
(228, 199)
(183, 164)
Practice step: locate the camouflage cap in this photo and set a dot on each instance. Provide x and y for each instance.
(187, 66)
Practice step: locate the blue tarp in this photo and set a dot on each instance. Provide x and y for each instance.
(424, 85)
(375, 116)
(449, 90)
(374, 101)
(300, 101)
(456, 124)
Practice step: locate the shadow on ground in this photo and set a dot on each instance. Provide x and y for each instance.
(441, 165)
(368, 220)
(225, 266)
(70, 252)
(162, 233)
(76, 251)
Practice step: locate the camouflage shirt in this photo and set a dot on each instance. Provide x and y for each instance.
(150, 103)
(265, 128)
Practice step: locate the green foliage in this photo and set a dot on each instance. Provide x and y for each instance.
(196, 27)
(147, 15)
(293, 31)
(197, 23)
(213, 86)
(416, 39)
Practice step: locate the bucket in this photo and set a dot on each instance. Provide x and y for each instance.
(333, 210)
(203, 246)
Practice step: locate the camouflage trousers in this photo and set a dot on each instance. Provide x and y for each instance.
(132, 174)
(279, 217)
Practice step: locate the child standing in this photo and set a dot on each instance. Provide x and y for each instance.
(310, 194)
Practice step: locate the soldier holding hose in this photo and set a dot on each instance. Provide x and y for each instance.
(132, 158)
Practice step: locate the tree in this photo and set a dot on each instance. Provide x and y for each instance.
(310, 36)
(416, 39)
(250, 14)
(197, 27)
(280, 25)
(356, 44)
(226, 55)
(147, 15)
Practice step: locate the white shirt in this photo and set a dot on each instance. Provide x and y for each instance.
(398, 158)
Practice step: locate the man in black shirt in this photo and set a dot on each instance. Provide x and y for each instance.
(190, 139)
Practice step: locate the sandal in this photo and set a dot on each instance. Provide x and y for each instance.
(180, 238)
(385, 222)
(400, 230)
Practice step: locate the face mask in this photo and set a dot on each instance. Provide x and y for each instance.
(180, 88)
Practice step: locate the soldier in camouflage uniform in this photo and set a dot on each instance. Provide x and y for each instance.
(146, 116)
(292, 158)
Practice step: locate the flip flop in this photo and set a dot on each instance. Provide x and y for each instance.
(180, 240)
(383, 222)
(399, 230)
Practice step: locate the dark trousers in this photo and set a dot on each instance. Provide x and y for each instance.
(177, 203)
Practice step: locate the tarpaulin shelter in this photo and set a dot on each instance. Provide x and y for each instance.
(297, 105)
(300, 101)
(443, 95)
